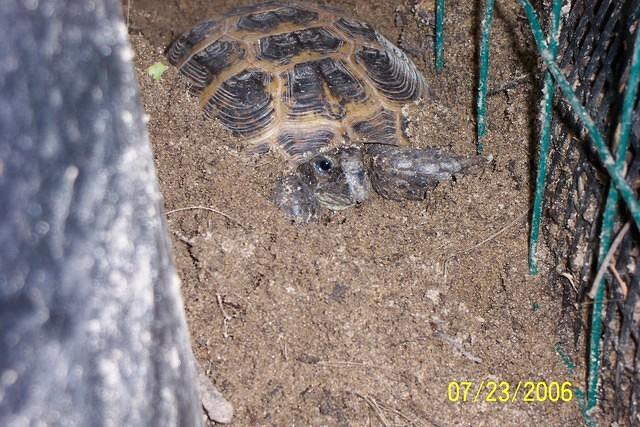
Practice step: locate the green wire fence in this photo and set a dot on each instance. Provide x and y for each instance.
(484, 74)
(439, 38)
(613, 165)
(611, 209)
(545, 138)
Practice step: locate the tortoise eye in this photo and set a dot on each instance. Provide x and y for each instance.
(323, 165)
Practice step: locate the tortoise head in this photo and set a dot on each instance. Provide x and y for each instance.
(337, 178)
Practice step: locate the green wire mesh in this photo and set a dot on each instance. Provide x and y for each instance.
(545, 138)
(599, 59)
(603, 60)
(609, 217)
(439, 45)
(605, 157)
(481, 108)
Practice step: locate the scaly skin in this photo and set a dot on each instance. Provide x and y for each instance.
(343, 177)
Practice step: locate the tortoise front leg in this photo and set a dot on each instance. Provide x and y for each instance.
(296, 199)
(408, 173)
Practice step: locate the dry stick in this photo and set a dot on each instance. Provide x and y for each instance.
(283, 347)
(511, 84)
(571, 280)
(338, 363)
(607, 259)
(184, 239)
(399, 414)
(487, 240)
(624, 289)
(491, 237)
(205, 209)
(458, 346)
(377, 410)
(604, 300)
(226, 317)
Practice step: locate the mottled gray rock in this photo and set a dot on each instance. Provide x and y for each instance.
(92, 328)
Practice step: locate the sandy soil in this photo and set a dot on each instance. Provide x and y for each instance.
(365, 317)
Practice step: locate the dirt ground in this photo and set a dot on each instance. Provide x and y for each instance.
(364, 318)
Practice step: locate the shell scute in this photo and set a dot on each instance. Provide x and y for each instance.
(379, 128)
(341, 82)
(267, 21)
(300, 144)
(298, 79)
(242, 103)
(357, 29)
(281, 48)
(183, 45)
(254, 8)
(304, 92)
(203, 67)
(392, 73)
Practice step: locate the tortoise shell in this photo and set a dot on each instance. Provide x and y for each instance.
(298, 78)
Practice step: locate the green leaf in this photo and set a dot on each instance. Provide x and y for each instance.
(157, 70)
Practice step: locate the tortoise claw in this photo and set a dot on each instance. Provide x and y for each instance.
(408, 173)
(296, 199)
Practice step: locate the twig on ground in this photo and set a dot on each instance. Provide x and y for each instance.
(375, 407)
(571, 280)
(511, 84)
(380, 409)
(205, 209)
(184, 239)
(491, 237)
(225, 317)
(607, 259)
(604, 301)
(340, 363)
(284, 348)
(624, 289)
(457, 346)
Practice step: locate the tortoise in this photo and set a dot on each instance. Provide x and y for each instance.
(327, 91)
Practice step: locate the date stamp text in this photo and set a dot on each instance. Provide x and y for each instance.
(491, 391)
